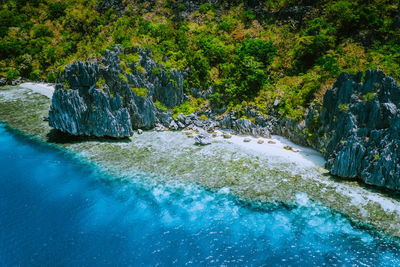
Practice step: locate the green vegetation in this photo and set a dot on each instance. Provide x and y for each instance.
(159, 105)
(140, 91)
(368, 97)
(125, 67)
(156, 71)
(204, 8)
(188, 107)
(122, 77)
(344, 107)
(130, 58)
(51, 77)
(203, 117)
(100, 83)
(12, 74)
(246, 60)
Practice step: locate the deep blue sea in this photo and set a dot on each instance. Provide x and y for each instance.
(58, 211)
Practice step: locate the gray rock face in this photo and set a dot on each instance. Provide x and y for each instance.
(17, 81)
(3, 81)
(360, 129)
(163, 86)
(226, 122)
(102, 116)
(160, 128)
(187, 121)
(173, 126)
(104, 5)
(114, 97)
(247, 127)
(291, 129)
(244, 126)
(164, 117)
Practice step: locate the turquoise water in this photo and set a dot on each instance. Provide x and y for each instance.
(57, 211)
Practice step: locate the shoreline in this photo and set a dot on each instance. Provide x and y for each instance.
(181, 205)
(272, 175)
(299, 154)
(41, 88)
(305, 155)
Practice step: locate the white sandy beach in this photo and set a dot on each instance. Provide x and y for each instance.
(304, 156)
(41, 88)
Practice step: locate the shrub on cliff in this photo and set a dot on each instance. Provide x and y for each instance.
(260, 50)
(12, 74)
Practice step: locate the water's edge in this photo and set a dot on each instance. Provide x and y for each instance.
(112, 176)
(253, 179)
(59, 209)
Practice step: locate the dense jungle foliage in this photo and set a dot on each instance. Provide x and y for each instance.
(249, 54)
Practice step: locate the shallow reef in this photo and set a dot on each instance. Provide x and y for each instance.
(172, 156)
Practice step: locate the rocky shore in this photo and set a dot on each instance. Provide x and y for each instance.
(107, 99)
(356, 127)
(264, 172)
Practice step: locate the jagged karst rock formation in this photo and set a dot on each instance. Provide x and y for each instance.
(107, 99)
(357, 127)
(360, 128)
(245, 126)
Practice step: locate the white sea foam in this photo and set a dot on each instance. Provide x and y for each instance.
(303, 164)
(360, 197)
(302, 199)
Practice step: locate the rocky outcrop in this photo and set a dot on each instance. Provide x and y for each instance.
(3, 81)
(360, 128)
(202, 138)
(293, 14)
(113, 97)
(117, 5)
(166, 87)
(190, 122)
(19, 80)
(357, 128)
(90, 114)
(245, 126)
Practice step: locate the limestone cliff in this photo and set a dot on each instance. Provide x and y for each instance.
(360, 128)
(112, 98)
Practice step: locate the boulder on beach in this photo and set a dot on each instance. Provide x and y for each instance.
(226, 135)
(202, 138)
